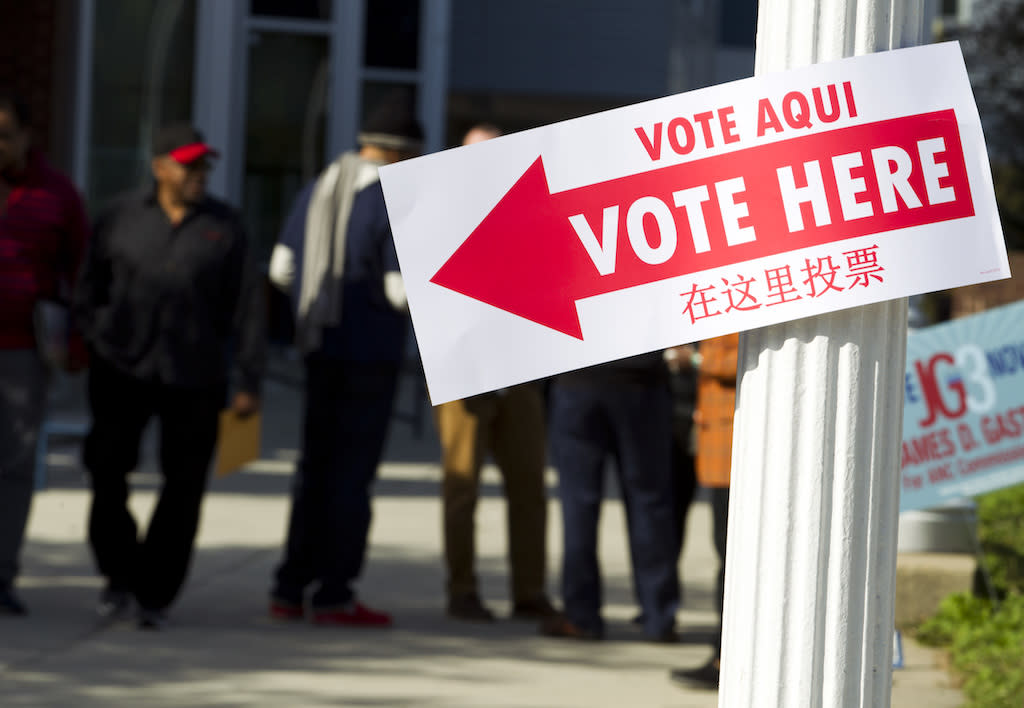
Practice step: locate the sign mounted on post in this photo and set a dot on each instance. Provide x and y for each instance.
(674, 220)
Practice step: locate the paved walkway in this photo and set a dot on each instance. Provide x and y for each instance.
(221, 650)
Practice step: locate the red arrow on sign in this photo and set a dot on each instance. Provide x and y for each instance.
(537, 253)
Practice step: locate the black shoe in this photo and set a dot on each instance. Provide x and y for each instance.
(703, 677)
(113, 604)
(10, 604)
(469, 608)
(539, 608)
(152, 620)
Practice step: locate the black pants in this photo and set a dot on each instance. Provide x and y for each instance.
(153, 568)
(684, 480)
(348, 407)
(720, 522)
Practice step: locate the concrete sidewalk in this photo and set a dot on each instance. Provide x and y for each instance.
(221, 649)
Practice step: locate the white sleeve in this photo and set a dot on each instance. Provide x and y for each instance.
(394, 290)
(282, 267)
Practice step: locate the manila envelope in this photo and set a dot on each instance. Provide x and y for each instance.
(238, 441)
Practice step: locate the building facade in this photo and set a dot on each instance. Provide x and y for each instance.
(281, 86)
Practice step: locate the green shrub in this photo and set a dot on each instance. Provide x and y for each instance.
(990, 657)
(1001, 532)
(955, 613)
(986, 641)
(986, 646)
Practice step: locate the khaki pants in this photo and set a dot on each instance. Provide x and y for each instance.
(509, 425)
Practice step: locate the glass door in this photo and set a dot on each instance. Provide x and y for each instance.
(282, 86)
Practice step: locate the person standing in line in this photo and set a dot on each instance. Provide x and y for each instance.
(681, 361)
(168, 291)
(620, 410)
(43, 232)
(336, 258)
(510, 425)
(716, 406)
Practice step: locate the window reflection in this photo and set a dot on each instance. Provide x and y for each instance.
(142, 78)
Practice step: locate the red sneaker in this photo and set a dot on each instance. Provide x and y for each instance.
(282, 610)
(355, 615)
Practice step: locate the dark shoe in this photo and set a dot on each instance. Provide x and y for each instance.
(469, 608)
(10, 604)
(560, 627)
(353, 615)
(284, 610)
(152, 620)
(638, 619)
(113, 604)
(534, 610)
(669, 636)
(703, 677)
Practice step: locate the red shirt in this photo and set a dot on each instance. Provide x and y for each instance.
(43, 232)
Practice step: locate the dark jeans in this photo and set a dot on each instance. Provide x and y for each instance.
(720, 522)
(348, 406)
(684, 480)
(23, 384)
(630, 423)
(683, 385)
(154, 568)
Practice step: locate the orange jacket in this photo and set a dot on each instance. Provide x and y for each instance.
(716, 404)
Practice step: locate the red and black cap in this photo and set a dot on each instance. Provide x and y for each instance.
(182, 143)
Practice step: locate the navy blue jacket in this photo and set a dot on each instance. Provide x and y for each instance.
(370, 328)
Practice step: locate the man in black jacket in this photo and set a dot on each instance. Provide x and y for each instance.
(167, 293)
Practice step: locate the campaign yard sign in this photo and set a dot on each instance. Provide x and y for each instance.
(692, 216)
(963, 415)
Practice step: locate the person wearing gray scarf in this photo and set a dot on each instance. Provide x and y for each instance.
(336, 258)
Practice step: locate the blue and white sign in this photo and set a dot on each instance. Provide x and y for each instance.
(963, 416)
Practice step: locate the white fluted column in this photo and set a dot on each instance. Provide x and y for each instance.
(815, 485)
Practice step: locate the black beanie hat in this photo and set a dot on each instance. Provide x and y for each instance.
(392, 124)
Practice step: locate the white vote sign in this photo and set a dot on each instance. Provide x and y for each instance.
(692, 216)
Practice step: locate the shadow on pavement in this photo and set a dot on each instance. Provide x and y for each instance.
(63, 655)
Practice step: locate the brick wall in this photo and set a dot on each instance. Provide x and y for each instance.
(27, 37)
(977, 298)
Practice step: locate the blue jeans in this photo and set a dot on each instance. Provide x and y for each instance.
(23, 385)
(348, 407)
(632, 424)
